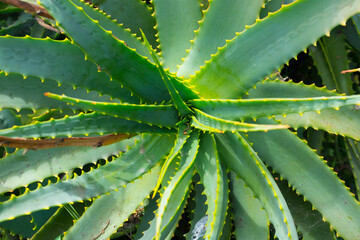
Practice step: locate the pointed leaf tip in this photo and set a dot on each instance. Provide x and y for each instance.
(178, 101)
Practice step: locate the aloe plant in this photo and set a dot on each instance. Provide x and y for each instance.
(184, 107)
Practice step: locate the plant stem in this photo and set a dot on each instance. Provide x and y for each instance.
(61, 142)
(29, 7)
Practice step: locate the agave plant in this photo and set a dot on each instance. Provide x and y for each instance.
(183, 111)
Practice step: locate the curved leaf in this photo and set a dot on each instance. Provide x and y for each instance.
(113, 56)
(116, 29)
(308, 221)
(213, 176)
(27, 226)
(250, 219)
(255, 108)
(220, 23)
(210, 123)
(330, 58)
(329, 120)
(259, 49)
(162, 115)
(80, 125)
(134, 163)
(199, 212)
(58, 223)
(23, 169)
(354, 159)
(177, 100)
(311, 177)
(109, 212)
(147, 227)
(176, 23)
(123, 11)
(146, 222)
(179, 143)
(176, 192)
(34, 57)
(241, 158)
(28, 93)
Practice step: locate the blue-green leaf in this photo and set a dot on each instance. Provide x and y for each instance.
(250, 219)
(268, 44)
(238, 155)
(146, 154)
(176, 23)
(176, 192)
(210, 123)
(109, 212)
(213, 176)
(220, 23)
(311, 177)
(162, 115)
(81, 125)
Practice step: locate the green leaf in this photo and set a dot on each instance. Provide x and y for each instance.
(330, 58)
(131, 165)
(344, 122)
(213, 176)
(35, 57)
(227, 228)
(58, 223)
(250, 219)
(354, 159)
(237, 154)
(255, 108)
(23, 169)
(200, 207)
(81, 125)
(109, 212)
(123, 11)
(356, 20)
(179, 143)
(18, 27)
(20, 93)
(329, 119)
(27, 226)
(352, 34)
(8, 119)
(175, 96)
(220, 23)
(210, 123)
(173, 224)
(116, 29)
(176, 23)
(162, 115)
(147, 227)
(113, 56)
(311, 177)
(309, 222)
(176, 192)
(259, 49)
